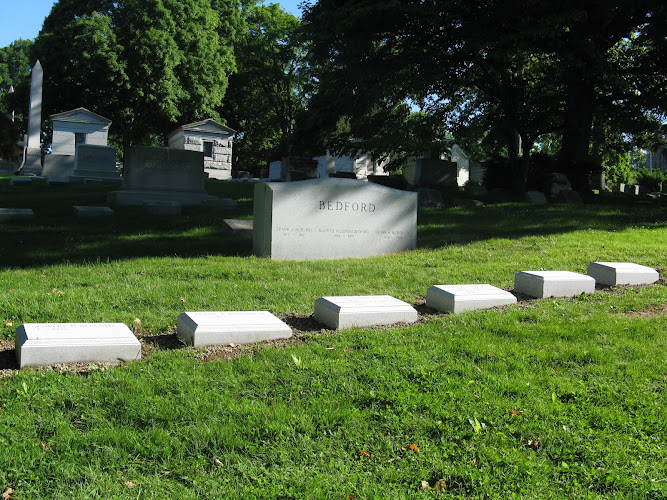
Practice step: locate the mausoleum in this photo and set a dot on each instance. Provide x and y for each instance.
(208, 137)
(78, 126)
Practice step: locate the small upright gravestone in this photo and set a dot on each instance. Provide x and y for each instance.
(93, 162)
(332, 218)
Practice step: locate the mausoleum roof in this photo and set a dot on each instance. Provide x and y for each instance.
(81, 115)
(206, 126)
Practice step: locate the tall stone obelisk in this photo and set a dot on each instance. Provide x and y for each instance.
(33, 152)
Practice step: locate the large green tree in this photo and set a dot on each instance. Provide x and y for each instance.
(145, 64)
(267, 91)
(15, 64)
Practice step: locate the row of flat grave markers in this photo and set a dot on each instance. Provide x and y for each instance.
(48, 344)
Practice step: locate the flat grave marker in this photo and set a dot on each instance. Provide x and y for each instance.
(16, 214)
(540, 284)
(459, 298)
(92, 211)
(225, 327)
(52, 343)
(362, 311)
(622, 273)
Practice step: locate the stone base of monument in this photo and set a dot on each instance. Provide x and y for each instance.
(16, 214)
(137, 198)
(540, 284)
(57, 181)
(239, 227)
(33, 162)
(53, 343)
(622, 273)
(362, 311)
(20, 181)
(163, 207)
(230, 327)
(83, 211)
(459, 298)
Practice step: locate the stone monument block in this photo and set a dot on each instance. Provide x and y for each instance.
(363, 311)
(536, 197)
(95, 162)
(16, 214)
(622, 273)
(91, 211)
(52, 343)
(238, 327)
(58, 166)
(459, 298)
(542, 284)
(332, 218)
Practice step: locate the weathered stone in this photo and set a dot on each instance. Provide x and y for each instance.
(332, 218)
(542, 284)
(16, 214)
(52, 343)
(20, 181)
(239, 227)
(237, 327)
(94, 162)
(58, 166)
(536, 197)
(92, 211)
(459, 298)
(363, 311)
(622, 273)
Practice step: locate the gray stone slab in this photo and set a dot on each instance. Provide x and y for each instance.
(16, 214)
(164, 169)
(622, 273)
(536, 197)
(541, 284)
(459, 298)
(96, 162)
(225, 327)
(52, 343)
(20, 181)
(163, 207)
(57, 181)
(239, 227)
(332, 218)
(92, 211)
(56, 165)
(363, 311)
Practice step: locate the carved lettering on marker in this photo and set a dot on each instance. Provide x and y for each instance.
(346, 206)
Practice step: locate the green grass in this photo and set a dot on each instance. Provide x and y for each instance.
(333, 414)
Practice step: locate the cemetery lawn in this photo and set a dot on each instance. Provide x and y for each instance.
(551, 398)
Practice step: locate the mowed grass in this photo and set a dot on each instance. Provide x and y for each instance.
(553, 398)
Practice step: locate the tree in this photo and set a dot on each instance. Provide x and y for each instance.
(145, 64)
(267, 91)
(15, 63)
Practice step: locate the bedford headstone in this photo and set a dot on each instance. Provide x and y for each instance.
(458, 298)
(542, 284)
(622, 273)
(332, 218)
(238, 327)
(52, 343)
(156, 174)
(363, 311)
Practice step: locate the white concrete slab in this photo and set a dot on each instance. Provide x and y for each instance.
(363, 310)
(52, 343)
(225, 327)
(12, 214)
(459, 298)
(542, 284)
(622, 273)
(91, 211)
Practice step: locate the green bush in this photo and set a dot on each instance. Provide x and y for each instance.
(653, 180)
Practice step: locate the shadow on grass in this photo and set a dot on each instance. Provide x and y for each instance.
(55, 236)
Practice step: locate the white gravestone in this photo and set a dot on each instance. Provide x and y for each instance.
(332, 218)
(52, 343)
(542, 284)
(459, 298)
(33, 151)
(622, 273)
(225, 327)
(363, 311)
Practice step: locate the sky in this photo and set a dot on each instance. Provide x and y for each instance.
(24, 18)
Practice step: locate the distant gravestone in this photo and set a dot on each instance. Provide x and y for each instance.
(433, 173)
(52, 343)
(363, 311)
(16, 214)
(622, 273)
(225, 327)
(20, 181)
(459, 298)
(156, 174)
(332, 218)
(58, 166)
(92, 211)
(536, 197)
(540, 284)
(93, 162)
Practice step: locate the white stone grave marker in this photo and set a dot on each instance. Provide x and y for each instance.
(362, 311)
(458, 298)
(622, 273)
(52, 343)
(542, 284)
(225, 327)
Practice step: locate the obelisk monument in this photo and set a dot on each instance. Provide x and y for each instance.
(32, 163)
